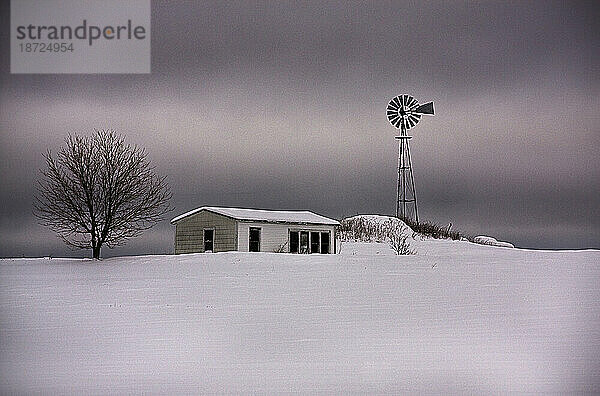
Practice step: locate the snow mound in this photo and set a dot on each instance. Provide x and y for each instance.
(486, 240)
(371, 228)
(379, 219)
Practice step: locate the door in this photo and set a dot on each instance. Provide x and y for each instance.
(208, 240)
(254, 240)
(294, 242)
(303, 242)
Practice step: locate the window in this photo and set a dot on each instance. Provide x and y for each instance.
(324, 242)
(314, 242)
(310, 241)
(208, 240)
(254, 240)
(294, 241)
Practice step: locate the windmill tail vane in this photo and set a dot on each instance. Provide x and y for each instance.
(426, 108)
(404, 112)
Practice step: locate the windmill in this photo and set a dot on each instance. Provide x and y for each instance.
(404, 112)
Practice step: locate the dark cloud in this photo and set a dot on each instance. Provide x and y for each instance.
(280, 105)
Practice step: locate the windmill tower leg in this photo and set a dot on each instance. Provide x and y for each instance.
(399, 178)
(412, 183)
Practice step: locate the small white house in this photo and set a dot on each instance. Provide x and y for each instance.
(218, 229)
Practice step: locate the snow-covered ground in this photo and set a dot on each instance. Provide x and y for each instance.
(455, 318)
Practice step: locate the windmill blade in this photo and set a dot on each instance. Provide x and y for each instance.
(397, 102)
(392, 116)
(393, 119)
(397, 123)
(411, 102)
(404, 99)
(414, 119)
(426, 108)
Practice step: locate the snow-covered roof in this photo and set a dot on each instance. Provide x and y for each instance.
(269, 216)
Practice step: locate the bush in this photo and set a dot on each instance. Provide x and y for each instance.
(282, 248)
(368, 228)
(434, 230)
(398, 240)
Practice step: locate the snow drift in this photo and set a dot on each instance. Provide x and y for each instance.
(486, 240)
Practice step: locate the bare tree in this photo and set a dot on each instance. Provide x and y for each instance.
(398, 240)
(99, 191)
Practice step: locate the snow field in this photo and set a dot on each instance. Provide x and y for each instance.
(454, 318)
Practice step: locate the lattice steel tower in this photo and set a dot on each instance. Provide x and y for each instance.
(404, 112)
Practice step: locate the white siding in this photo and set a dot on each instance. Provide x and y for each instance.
(273, 235)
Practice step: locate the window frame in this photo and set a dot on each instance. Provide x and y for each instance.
(328, 233)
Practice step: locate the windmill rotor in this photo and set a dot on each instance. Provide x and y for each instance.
(404, 111)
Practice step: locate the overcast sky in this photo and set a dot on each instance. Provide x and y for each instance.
(281, 105)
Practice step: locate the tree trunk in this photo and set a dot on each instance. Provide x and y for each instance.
(96, 252)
